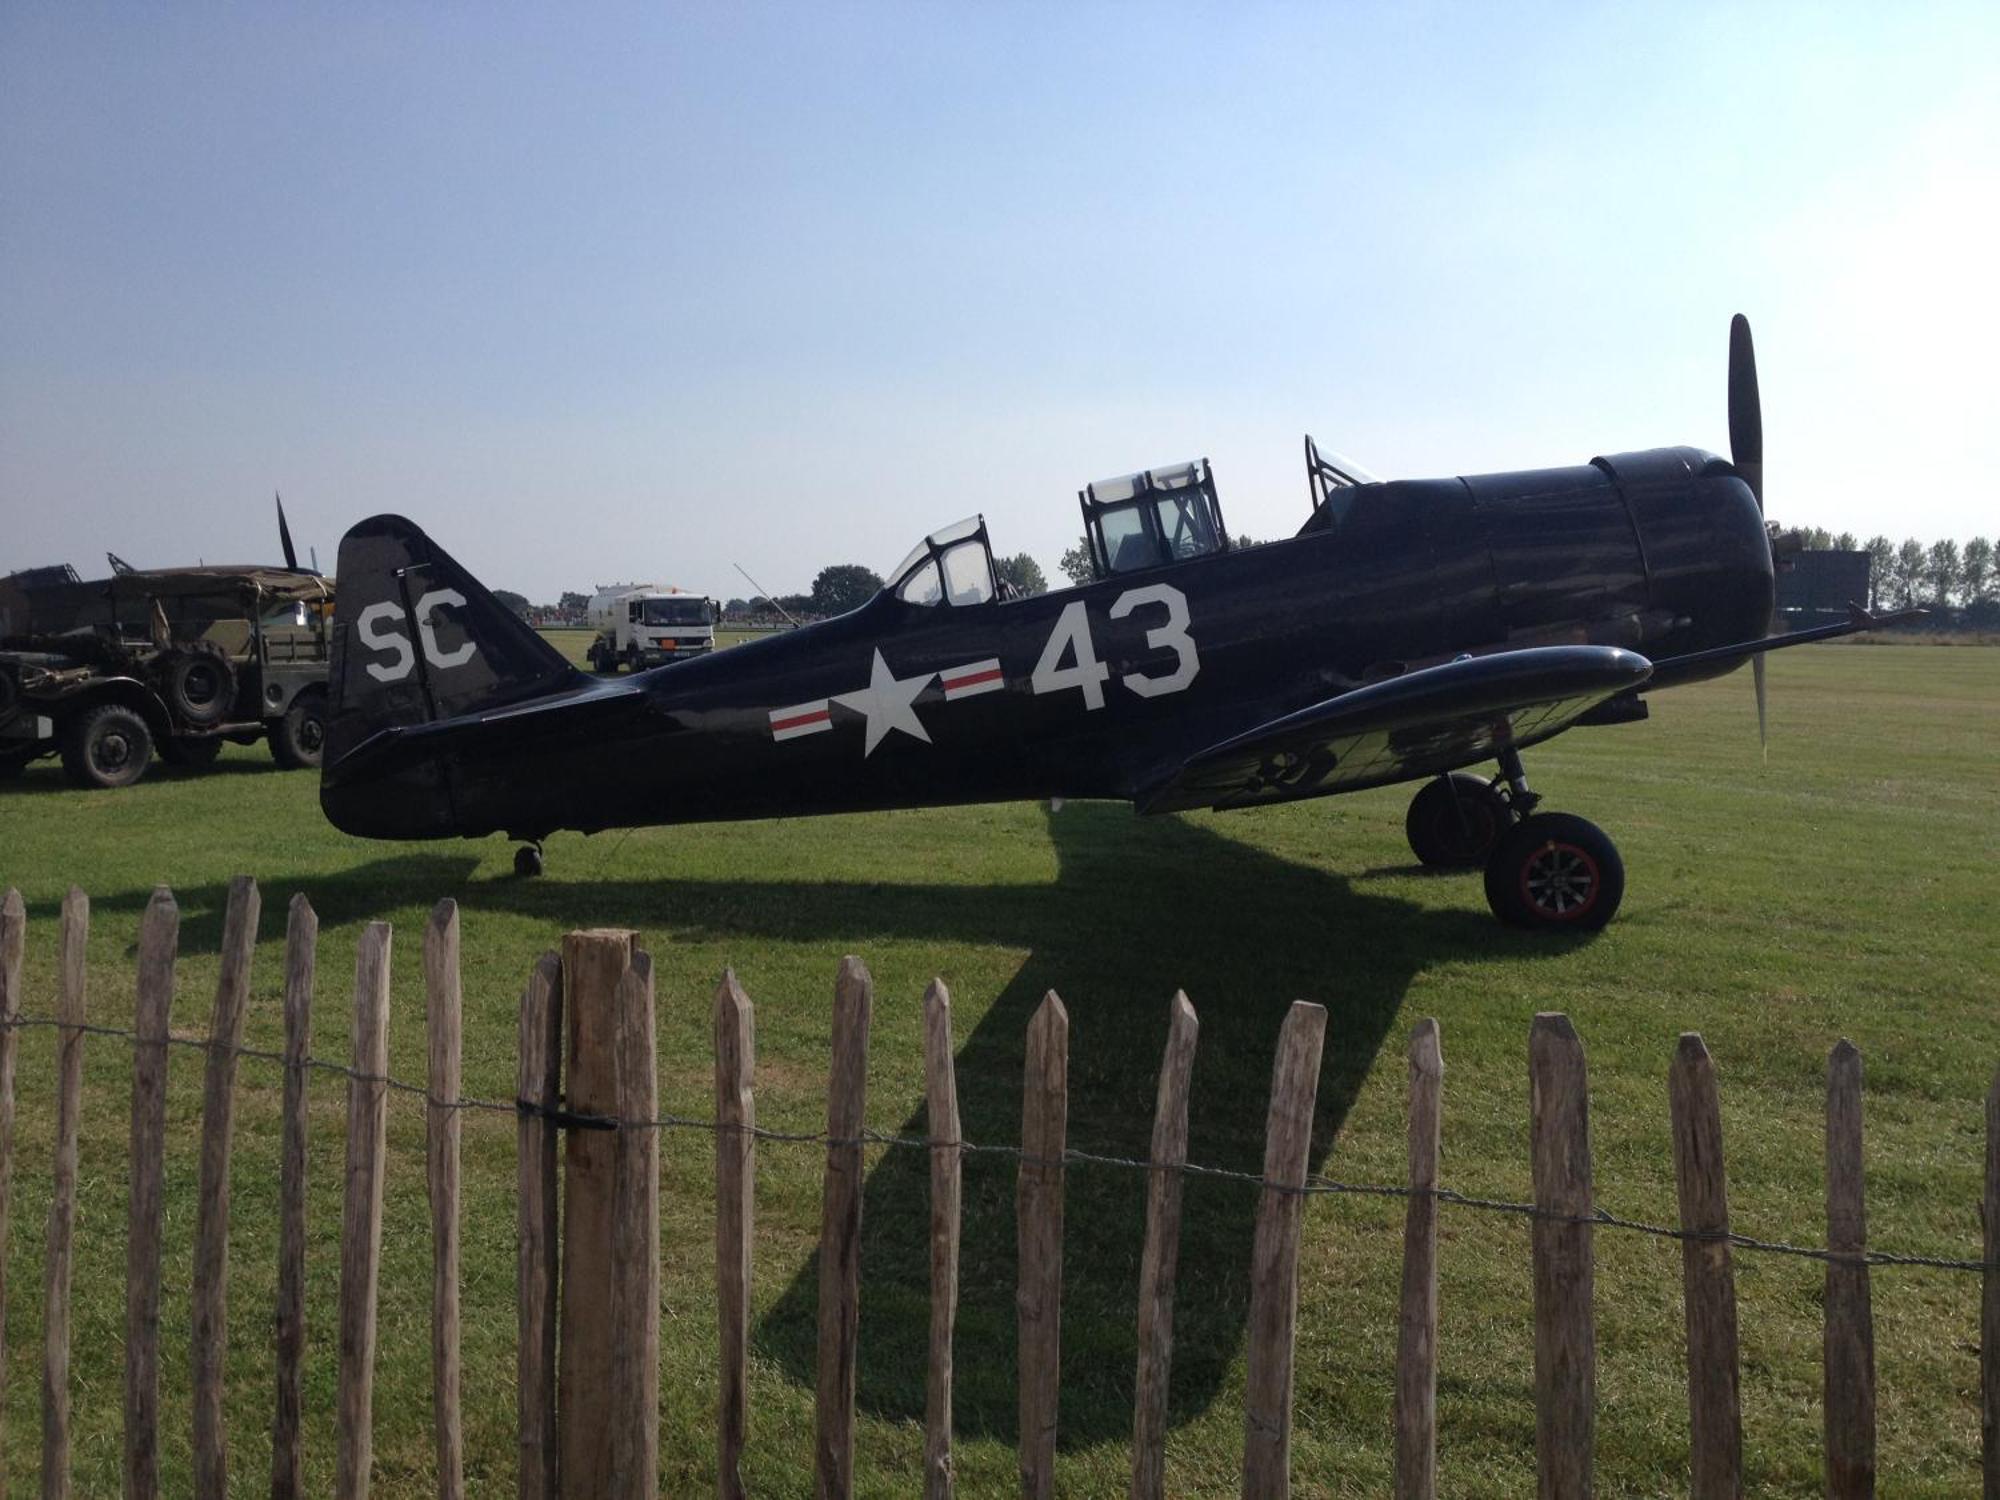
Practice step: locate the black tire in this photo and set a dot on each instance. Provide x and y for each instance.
(1460, 837)
(298, 740)
(527, 861)
(107, 746)
(198, 683)
(190, 752)
(1555, 873)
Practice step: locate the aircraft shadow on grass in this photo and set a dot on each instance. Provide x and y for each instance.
(1138, 909)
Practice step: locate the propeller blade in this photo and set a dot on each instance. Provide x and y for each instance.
(1746, 412)
(1763, 717)
(285, 535)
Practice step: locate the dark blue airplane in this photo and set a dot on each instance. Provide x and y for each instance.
(1409, 630)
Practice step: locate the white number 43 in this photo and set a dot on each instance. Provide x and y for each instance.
(1071, 639)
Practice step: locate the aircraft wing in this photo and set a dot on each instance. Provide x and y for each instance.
(1431, 720)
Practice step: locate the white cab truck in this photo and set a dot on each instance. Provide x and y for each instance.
(641, 625)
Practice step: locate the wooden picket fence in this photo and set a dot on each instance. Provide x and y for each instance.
(588, 1414)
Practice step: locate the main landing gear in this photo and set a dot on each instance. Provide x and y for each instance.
(528, 860)
(1549, 872)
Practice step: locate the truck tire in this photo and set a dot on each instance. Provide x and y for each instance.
(106, 746)
(298, 740)
(198, 683)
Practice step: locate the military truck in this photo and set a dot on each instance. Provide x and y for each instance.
(166, 663)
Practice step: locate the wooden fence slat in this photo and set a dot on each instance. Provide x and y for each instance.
(1989, 1301)
(361, 1217)
(57, 1261)
(1274, 1256)
(586, 1398)
(209, 1352)
(13, 937)
(840, 1233)
(1850, 1318)
(635, 1245)
(443, 1005)
(947, 1172)
(536, 1257)
(1715, 1417)
(1038, 1209)
(1159, 1262)
(735, 1210)
(145, 1215)
(1416, 1322)
(288, 1480)
(1565, 1320)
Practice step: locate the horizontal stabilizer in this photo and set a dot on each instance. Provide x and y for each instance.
(1431, 720)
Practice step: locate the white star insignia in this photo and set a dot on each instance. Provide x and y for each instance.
(889, 702)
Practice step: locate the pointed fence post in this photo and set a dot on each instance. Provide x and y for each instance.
(536, 1260)
(587, 1397)
(947, 1166)
(1159, 1261)
(210, 1343)
(1989, 1302)
(1715, 1419)
(288, 1478)
(635, 1244)
(13, 936)
(840, 1233)
(443, 1005)
(1565, 1322)
(1850, 1318)
(1274, 1256)
(60, 1254)
(145, 1213)
(1416, 1324)
(361, 1218)
(1038, 1207)
(735, 1216)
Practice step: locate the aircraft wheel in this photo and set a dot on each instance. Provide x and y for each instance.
(1553, 872)
(527, 861)
(1454, 823)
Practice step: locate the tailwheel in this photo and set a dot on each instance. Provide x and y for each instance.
(1454, 821)
(528, 861)
(1554, 872)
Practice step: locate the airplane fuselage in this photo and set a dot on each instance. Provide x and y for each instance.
(1100, 690)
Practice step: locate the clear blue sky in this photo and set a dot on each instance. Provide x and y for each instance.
(595, 292)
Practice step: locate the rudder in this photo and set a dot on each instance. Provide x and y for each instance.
(416, 639)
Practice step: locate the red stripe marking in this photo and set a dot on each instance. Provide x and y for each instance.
(973, 680)
(793, 723)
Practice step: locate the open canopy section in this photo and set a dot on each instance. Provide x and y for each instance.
(951, 566)
(1153, 518)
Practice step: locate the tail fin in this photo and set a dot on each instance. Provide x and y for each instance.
(416, 639)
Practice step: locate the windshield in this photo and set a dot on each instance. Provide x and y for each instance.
(687, 611)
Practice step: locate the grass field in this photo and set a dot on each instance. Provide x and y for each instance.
(1843, 888)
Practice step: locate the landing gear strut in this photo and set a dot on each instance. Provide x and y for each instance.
(1548, 872)
(528, 860)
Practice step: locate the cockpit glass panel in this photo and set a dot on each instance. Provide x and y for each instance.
(967, 578)
(1185, 526)
(958, 531)
(916, 555)
(1128, 546)
(922, 587)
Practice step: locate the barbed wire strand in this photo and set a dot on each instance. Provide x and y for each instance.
(1315, 1185)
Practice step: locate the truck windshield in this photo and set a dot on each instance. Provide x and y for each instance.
(688, 611)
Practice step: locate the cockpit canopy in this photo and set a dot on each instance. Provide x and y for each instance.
(1152, 518)
(953, 566)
